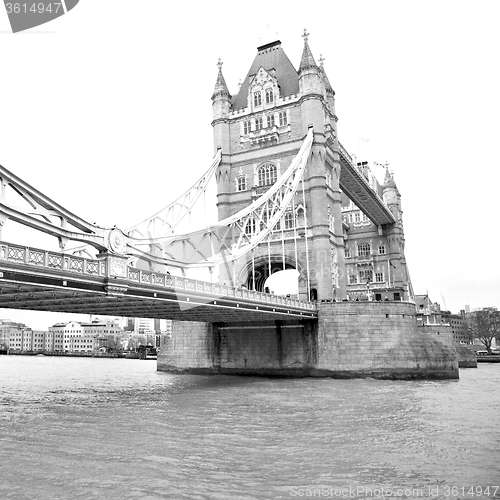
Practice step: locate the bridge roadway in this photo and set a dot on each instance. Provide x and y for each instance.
(35, 279)
(356, 187)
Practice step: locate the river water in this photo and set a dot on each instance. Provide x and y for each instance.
(77, 428)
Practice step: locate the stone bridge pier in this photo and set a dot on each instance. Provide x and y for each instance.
(349, 340)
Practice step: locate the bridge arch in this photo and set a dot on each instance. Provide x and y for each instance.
(257, 272)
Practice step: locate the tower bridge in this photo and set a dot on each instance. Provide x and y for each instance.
(289, 196)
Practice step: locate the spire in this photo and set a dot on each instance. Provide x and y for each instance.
(220, 85)
(322, 72)
(389, 179)
(307, 60)
(389, 182)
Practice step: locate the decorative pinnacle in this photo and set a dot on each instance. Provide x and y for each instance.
(321, 60)
(220, 85)
(307, 60)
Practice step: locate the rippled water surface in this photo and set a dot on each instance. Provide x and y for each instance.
(76, 428)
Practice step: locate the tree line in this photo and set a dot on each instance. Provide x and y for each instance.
(484, 325)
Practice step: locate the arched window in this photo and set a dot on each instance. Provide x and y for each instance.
(364, 249)
(257, 98)
(301, 216)
(269, 96)
(267, 174)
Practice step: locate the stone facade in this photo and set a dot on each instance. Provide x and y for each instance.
(380, 340)
(442, 333)
(351, 339)
(375, 263)
(259, 131)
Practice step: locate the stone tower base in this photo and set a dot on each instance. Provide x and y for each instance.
(349, 340)
(466, 357)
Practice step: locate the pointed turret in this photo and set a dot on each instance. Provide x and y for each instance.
(221, 89)
(309, 75)
(391, 195)
(307, 61)
(324, 77)
(389, 181)
(329, 92)
(221, 107)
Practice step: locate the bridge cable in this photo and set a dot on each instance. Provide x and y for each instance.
(307, 245)
(269, 253)
(253, 269)
(295, 221)
(205, 207)
(230, 237)
(283, 241)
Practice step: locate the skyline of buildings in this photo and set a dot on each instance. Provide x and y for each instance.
(83, 337)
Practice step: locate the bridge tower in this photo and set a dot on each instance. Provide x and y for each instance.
(259, 131)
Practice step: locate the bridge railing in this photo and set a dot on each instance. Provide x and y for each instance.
(189, 285)
(54, 261)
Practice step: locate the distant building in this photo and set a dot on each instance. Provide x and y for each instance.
(19, 337)
(152, 331)
(61, 337)
(428, 312)
(144, 325)
(458, 325)
(129, 324)
(7, 329)
(81, 337)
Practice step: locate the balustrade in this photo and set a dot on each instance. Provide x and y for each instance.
(98, 268)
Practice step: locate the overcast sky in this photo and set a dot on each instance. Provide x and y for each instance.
(107, 111)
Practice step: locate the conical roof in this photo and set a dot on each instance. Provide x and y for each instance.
(307, 61)
(389, 179)
(220, 84)
(322, 72)
(272, 58)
